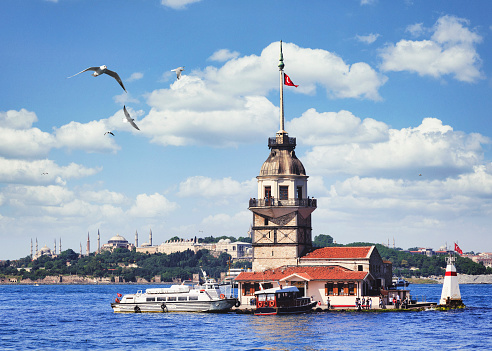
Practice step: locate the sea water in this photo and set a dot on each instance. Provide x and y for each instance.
(79, 317)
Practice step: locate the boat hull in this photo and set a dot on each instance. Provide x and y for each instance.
(222, 305)
(268, 311)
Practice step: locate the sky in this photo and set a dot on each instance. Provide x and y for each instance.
(391, 115)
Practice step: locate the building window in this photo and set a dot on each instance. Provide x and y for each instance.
(359, 268)
(299, 192)
(329, 289)
(268, 192)
(266, 221)
(351, 288)
(341, 292)
(284, 192)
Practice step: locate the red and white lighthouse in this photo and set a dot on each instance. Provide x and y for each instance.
(451, 296)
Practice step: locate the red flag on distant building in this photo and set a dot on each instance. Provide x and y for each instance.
(289, 82)
(457, 249)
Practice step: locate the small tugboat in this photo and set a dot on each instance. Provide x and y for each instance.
(178, 298)
(280, 300)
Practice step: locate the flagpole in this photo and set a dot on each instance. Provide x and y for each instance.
(281, 67)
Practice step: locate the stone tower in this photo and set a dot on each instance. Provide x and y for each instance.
(282, 210)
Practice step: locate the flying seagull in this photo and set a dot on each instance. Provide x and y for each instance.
(178, 71)
(100, 70)
(44, 173)
(109, 133)
(129, 119)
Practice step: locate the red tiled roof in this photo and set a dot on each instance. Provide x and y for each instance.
(307, 272)
(340, 252)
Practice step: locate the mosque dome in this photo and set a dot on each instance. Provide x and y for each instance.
(118, 239)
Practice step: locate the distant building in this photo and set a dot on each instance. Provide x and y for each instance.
(45, 251)
(116, 242)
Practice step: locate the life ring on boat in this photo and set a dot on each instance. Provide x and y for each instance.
(222, 296)
(164, 307)
(117, 300)
(137, 309)
(319, 303)
(271, 303)
(238, 303)
(260, 303)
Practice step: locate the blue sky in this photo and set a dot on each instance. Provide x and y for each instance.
(392, 118)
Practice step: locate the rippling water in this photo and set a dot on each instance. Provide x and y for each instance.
(80, 318)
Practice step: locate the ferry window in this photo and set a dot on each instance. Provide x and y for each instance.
(284, 192)
(161, 299)
(171, 298)
(329, 289)
(193, 298)
(182, 298)
(150, 299)
(261, 297)
(271, 297)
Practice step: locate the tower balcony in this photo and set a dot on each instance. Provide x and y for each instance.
(276, 208)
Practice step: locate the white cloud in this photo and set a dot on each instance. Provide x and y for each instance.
(40, 171)
(367, 39)
(25, 143)
(223, 55)
(22, 119)
(191, 113)
(431, 147)
(135, 76)
(416, 29)
(178, 4)
(86, 136)
(450, 51)
(155, 205)
(330, 128)
(199, 186)
(307, 67)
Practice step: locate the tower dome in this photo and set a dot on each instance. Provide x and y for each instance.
(282, 159)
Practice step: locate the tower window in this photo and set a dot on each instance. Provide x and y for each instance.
(268, 192)
(266, 221)
(299, 192)
(284, 192)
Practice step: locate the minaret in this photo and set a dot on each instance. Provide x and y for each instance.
(136, 239)
(31, 249)
(36, 245)
(88, 250)
(60, 246)
(80, 249)
(54, 249)
(98, 242)
(150, 237)
(282, 211)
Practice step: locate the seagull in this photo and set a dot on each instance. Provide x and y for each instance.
(420, 175)
(44, 173)
(109, 133)
(100, 70)
(129, 119)
(178, 71)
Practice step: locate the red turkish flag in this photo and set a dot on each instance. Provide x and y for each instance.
(289, 82)
(457, 249)
(119, 295)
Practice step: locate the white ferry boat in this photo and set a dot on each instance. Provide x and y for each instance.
(177, 298)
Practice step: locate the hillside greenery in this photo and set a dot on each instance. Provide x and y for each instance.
(407, 265)
(124, 263)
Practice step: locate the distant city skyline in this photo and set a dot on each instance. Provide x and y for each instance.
(391, 117)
